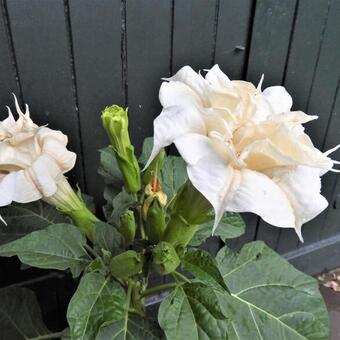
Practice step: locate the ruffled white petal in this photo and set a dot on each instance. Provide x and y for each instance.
(172, 123)
(278, 98)
(176, 93)
(302, 186)
(255, 192)
(217, 78)
(194, 80)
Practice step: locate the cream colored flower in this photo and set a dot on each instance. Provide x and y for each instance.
(245, 150)
(33, 159)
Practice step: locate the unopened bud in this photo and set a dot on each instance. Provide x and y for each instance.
(128, 226)
(127, 264)
(165, 258)
(115, 122)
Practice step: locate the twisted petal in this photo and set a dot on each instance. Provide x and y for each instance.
(172, 123)
(302, 186)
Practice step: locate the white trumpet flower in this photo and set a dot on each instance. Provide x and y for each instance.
(33, 159)
(245, 150)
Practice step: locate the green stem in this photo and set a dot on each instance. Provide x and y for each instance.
(48, 336)
(159, 288)
(128, 301)
(91, 251)
(181, 276)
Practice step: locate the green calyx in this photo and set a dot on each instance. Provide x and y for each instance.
(84, 219)
(127, 226)
(116, 123)
(127, 264)
(165, 258)
(188, 210)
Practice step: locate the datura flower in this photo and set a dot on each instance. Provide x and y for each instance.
(245, 150)
(33, 160)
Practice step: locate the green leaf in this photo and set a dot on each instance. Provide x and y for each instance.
(270, 299)
(108, 237)
(133, 327)
(59, 246)
(204, 267)
(192, 312)
(230, 226)
(120, 203)
(97, 300)
(146, 150)
(109, 168)
(173, 175)
(20, 315)
(89, 202)
(22, 219)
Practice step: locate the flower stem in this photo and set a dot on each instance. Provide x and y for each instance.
(181, 276)
(159, 288)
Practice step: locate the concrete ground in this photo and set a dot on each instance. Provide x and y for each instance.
(330, 289)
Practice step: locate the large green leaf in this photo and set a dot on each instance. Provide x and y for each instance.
(133, 327)
(230, 226)
(270, 299)
(20, 316)
(192, 312)
(59, 246)
(108, 237)
(97, 300)
(204, 267)
(22, 219)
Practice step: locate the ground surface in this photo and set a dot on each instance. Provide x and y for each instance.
(330, 289)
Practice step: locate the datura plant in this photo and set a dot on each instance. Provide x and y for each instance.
(242, 150)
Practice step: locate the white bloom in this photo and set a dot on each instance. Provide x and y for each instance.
(245, 150)
(33, 159)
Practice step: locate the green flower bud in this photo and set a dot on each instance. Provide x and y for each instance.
(115, 122)
(155, 221)
(127, 264)
(165, 258)
(154, 168)
(128, 226)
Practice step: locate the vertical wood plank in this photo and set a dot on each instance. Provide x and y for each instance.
(96, 35)
(322, 100)
(331, 223)
(234, 21)
(270, 40)
(7, 71)
(307, 37)
(193, 33)
(148, 25)
(304, 52)
(43, 58)
(269, 46)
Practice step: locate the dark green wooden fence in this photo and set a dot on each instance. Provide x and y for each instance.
(70, 58)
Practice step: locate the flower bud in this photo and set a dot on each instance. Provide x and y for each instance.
(165, 258)
(128, 226)
(155, 221)
(127, 264)
(115, 122)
